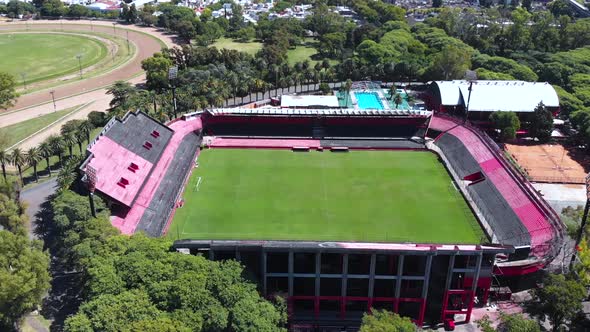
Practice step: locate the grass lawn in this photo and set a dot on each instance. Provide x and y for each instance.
(46, 55)
(391, 196)
(230, 44)
(300, 54)
(22, 130)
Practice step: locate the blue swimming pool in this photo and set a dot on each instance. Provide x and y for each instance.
(368, 100)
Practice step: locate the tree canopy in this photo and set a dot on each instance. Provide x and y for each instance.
(507, 123)
(8, 92)
(138, 281)
(386, 321)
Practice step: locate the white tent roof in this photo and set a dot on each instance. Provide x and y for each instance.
(309, 101)
(491, 96)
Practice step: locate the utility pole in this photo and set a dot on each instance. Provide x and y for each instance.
(52, 92)
(172, 74)
(114, 30)
(23, 75)
(128, 48)
(79, 56)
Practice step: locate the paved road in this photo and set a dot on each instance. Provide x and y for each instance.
(35, 196)
(146, 47)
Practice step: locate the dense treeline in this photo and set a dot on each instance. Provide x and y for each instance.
(138, 283)
(24, 276)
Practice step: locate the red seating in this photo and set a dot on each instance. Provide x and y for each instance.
(525, 208)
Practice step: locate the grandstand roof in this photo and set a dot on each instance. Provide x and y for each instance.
(334, 112)
(124, 153)
(310, 101)
(491, 96)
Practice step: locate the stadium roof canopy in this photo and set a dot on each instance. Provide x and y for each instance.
(491, 96)
(310, 101)
(307, 112)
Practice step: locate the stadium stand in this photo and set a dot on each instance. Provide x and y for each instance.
(156, 214)
(141, 135)
(469, 151)
(373, 144)
(504, 223)
(140, 165)
(125, 153)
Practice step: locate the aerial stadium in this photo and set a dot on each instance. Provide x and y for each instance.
(341, 204)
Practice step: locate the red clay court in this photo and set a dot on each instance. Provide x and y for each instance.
(547, 163)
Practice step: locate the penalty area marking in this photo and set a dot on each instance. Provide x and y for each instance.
(196, 188)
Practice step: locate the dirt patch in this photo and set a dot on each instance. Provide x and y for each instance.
(547, 163)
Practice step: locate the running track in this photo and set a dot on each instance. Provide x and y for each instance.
(146, 46)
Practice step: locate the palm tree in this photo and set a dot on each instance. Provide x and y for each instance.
(32, 158)
(85, 128)
(17, 158)
(69, 140)
(258, 85)
(347, 87)
(392, 92)
(46, 152)
(80, 137)
(4, 159)
(57, 147)
(398, 99)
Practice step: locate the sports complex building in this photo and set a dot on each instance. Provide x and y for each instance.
(340, 210)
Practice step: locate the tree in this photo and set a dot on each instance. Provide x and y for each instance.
(24, 277)
(33, 157)
(16, 8)
(559, 300)
(53, 8)
(437, 3)
(347, 87)
(69, 140)
(57, 147)
(8, 92)
(450, 63)
(131, 14)
(136, 279)
(517, 322)
(507, 123)
(46, 151)
(4, 159)
(385, 321)
(77, 11)
(541, 124)
(17, 158)
(156, 68)
(397, 99)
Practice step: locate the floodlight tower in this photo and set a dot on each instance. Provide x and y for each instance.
(172, 75)
(91, 179)
(471, 76)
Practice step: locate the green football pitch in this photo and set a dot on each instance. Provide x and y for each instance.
(376, 196)
(41, 56)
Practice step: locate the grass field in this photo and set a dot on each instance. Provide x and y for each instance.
(22, 130)
(43, 56)
(357, 196)
(230, 44)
